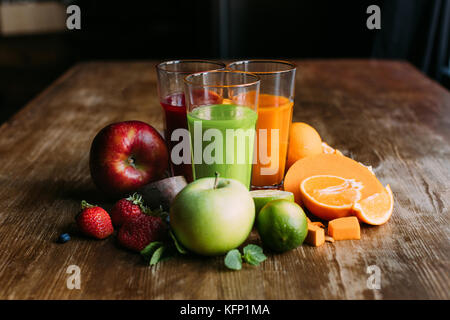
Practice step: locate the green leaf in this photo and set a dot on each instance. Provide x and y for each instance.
(179, 247)
(169, 252)
(253, 254)
(233, 260)
(150, 249)
(253, 249)
(158, 251)
(157, 255)
(159, 212)
(85, 205)
(136, 198)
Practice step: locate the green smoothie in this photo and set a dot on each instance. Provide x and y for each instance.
(222, 140)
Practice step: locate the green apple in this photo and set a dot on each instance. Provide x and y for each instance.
(212, 216)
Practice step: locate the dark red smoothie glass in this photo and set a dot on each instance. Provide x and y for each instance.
(171, 96)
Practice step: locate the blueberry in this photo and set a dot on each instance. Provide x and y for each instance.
(63, 238)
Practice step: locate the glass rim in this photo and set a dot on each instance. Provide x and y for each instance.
(292, 65)
(160, 66)
(251, 74)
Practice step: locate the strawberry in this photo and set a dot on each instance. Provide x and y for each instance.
(127, 209)
(138, 233)
(94, 221)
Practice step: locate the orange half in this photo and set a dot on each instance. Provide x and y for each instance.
(375, 209)
(330, 197)
(334, 165)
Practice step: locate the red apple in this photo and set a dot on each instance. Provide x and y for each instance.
(127, 155)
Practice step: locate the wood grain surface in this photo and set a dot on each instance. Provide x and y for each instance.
(383, 113)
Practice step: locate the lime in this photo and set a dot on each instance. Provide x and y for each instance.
(282, 225)
(262, 197)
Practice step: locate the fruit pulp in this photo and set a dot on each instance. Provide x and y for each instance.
(274, 112)
(175, 117)
(232, 154)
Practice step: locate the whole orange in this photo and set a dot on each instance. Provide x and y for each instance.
(304, 141)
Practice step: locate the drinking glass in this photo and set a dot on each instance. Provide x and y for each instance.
(276, 102)
(222, 114)
(171, 96)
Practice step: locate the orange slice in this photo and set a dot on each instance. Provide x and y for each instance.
(334, 165)
(375, 209)
(330, 197)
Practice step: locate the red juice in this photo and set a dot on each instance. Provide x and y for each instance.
(175, 114)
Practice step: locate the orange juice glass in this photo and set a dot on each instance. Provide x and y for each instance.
(276, 103)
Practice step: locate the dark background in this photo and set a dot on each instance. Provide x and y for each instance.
(413, 30)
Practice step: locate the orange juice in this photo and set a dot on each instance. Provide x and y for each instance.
(276, 97)
(274, 112)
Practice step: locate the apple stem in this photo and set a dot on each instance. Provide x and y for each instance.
(216, 181)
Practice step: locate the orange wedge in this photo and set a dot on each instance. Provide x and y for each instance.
(330, 197)
(375, 209)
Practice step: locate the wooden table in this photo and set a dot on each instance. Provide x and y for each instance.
(383, 113)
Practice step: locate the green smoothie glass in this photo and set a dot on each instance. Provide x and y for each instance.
(222, 113)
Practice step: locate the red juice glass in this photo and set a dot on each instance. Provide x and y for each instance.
(171, 96)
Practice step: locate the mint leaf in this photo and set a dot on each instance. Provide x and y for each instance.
(233, 260)
(157, 255)
(169, 252)
(253, 254)
(252, 249)
(148, 251)
(179, 247)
